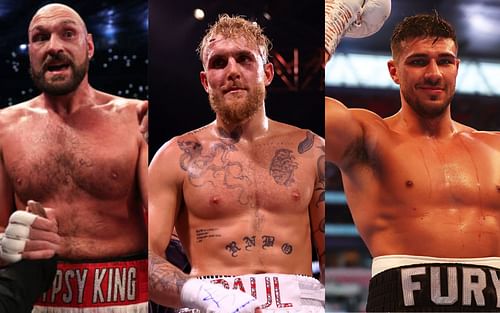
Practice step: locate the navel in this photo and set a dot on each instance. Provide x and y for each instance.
(409, 183)
(498, 188)
(114, 175)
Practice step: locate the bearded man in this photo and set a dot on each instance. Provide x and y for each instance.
(245, 193)
(80, 153)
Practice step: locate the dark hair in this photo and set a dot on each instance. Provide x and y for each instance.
(421, 25)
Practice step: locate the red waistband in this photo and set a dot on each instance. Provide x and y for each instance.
(98, 284)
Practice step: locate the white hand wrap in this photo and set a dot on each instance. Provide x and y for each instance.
(353, 18)
(212, 298)
(14, 239)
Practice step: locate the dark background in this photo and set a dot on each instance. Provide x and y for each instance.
(119, 29)
(178, 101)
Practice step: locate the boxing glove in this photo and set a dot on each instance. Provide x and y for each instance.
(14, 239)
(353, 18)
(212, 298)
(370, 19)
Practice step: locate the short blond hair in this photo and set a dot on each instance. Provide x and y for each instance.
(236, 27)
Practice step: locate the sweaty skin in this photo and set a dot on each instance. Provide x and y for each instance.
(418, 182)
(239, 207)
(76, 165)
(245, 193)
(81, 153)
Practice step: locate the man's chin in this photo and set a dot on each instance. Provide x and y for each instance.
(432, 109)
(235, 99)
(58, 89)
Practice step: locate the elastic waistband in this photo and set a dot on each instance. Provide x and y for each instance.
(131, 257)
(204, 277)
(280, 292)
(98, 284)
(386, 262)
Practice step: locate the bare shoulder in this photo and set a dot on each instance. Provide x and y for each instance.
(305, 139)
(362, 115)
(488, 137)
(117, 103)
(168, 164)
(186, 142)
(491, 138)
(463, 128)
(12, 115)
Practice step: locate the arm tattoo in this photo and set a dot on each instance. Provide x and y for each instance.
(283, 166)
(320, 181)
(306, 144)
(163, 277)
(321, 226)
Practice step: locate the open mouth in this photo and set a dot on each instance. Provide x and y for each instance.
(57, 67)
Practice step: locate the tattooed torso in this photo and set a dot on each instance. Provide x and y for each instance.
(247, 204)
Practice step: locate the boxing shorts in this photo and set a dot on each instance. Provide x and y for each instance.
(278, 293)
(405, 283)
(119, 285)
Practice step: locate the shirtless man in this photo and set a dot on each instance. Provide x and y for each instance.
(80, 152)
(245, 193)
(424, 190)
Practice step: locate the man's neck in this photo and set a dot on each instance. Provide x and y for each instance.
(71, 102)
(250, 129)
(440, 126)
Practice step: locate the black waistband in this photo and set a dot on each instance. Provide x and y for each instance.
(123, 258)
(436, 287)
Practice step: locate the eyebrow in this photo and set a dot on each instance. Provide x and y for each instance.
(64, 22)
(425, 55)
(233, 53)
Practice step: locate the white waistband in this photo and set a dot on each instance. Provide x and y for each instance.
(265, 287)
(386, 262)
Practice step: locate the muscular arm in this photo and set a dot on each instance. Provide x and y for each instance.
(142, 172)
(142, 115)
(343, 132)
(165, 280)
(6, 197)
(317, 205)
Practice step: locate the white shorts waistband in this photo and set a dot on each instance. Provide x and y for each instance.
(386, 262)
(275, 291)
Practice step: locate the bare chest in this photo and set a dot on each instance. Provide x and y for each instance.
(452, 173)
(222, 179)
(47, 158)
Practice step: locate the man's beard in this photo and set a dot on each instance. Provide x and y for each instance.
(426, 111)
(53, 88)
(238, 111)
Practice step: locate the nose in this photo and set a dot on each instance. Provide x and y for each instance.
(55, 45)
(433, 73)
(233, 69)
